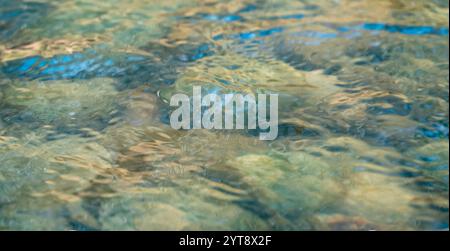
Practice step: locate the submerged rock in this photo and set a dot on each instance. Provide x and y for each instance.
(286, 190)
(230, 73)
(64, 105)
(43, 180)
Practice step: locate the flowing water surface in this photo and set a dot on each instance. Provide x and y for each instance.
(86, 144)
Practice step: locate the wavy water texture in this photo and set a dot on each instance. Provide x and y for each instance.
(85, 140)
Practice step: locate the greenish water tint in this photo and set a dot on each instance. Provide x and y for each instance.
(85, 140)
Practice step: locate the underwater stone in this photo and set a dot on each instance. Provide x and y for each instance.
(284, 188)
(44, 179)
(61, 104)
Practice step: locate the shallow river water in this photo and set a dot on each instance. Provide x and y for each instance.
(86, 143)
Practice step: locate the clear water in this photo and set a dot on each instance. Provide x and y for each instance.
(85, 142)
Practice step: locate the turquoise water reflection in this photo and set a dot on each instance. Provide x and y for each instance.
(85, 141)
